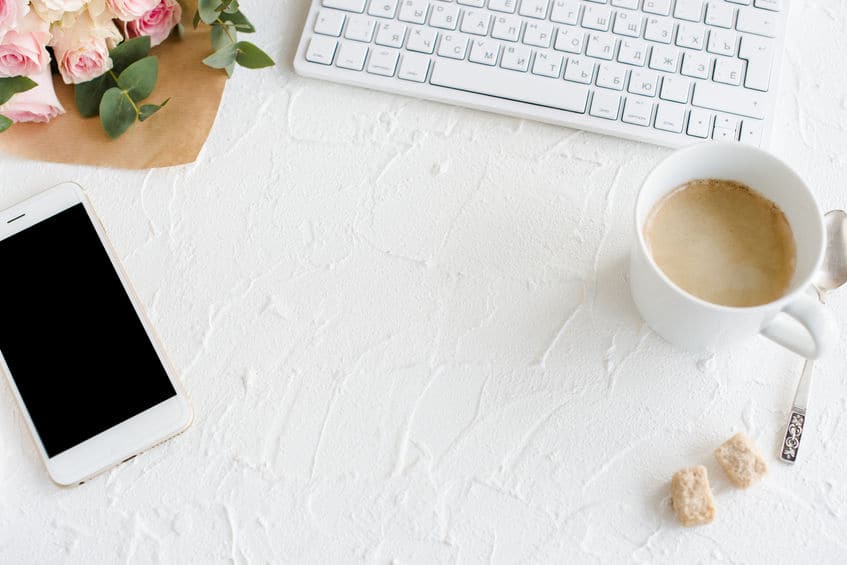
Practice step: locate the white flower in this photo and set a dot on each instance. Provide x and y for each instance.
(53, 10)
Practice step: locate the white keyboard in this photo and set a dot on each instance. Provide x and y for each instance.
(669, 72)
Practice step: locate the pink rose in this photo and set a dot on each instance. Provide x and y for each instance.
(22, 54)
(23, 50)
(37, 105)
(11, 12)
(82, 47)
(157, 23)
(129, 10)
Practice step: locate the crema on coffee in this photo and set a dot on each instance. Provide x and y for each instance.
(723, 242)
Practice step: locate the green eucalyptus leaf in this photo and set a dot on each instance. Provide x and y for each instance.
(231, 7)
(128, 52)
(149, 109)
(5, 123)
(208, 10)
(88, 94)
(240, 21)
(196, 21)
(9, 86)
(251, 57)
(222, 58)
(117, 114)
(139, 78)
(221, 34)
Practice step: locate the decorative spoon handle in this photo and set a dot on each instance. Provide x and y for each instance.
(797, 418)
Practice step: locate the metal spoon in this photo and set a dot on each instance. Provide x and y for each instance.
(833, 274)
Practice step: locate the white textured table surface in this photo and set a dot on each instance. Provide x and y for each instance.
(407, 335)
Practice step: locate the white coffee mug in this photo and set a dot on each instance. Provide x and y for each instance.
(796, 320)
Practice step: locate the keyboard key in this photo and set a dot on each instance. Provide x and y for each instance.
(633, 52)
(675, 89)
(484, 52)
(637, 111)
(723, 134)
(473, 3)
(391, 34)
(413, 11)
(695, 64)
(453, 46)
(611, 75)
(516, 58)
(725, 121)
(569, 39)
(720, 14)
(758, 52)
(346, 5)
(628, 23)
(507, 6)
(329, 22)
(597, 18)
(742, 2)
(728, 99)
(383, 61)
(601, 46)
(321, 50)
(690, 35)
(628, 4)
(565, 12)
(659, 29)
(510, 85)
(688, 10)
(670, 117)
(538, 34)
(534, 9)
(643, 82)
(698, 123)
(605, 105)
(727, 71)
(547, 64)
(476, 22)
(359, 29)
(722, 42)
(579, 70)
(383, 8)
(352, 55)
(506, 27)
(422, 40)
(413, 67)
(773, 5)
(664, 58)
(658, 7)
(444, 16)
(751, 132)
(755, 21)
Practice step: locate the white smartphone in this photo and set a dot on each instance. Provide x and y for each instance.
(83, 362)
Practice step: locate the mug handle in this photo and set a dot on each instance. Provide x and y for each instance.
(810, 315)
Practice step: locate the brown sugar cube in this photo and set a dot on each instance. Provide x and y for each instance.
(691, 496)
(741, 461)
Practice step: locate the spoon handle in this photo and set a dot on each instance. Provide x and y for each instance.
(797, 418)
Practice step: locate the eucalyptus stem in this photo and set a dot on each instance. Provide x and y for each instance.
(226, 31)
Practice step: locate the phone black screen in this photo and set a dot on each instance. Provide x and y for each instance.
(73, 342)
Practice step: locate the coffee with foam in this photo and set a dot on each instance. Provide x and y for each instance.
(723, 242)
